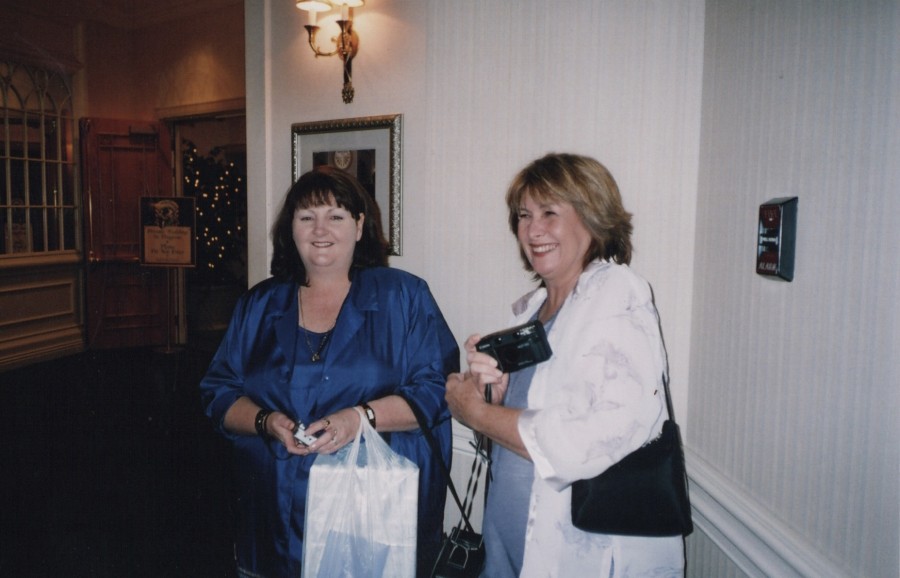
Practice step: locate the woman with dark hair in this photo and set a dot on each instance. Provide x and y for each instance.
(333, 329)
(598, 398)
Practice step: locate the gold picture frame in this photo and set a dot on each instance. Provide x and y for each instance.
(367, 147)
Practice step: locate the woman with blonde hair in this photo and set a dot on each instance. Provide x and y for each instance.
(597, 399)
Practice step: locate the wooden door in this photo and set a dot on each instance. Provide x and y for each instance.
(128, 305)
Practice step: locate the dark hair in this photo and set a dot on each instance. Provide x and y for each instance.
(321, 186)
(589, 187)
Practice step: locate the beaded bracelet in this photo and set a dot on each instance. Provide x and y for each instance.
(262, 416)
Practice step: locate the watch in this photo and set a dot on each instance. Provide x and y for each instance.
(370, 413)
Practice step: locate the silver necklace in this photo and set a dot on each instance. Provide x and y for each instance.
(317, 354)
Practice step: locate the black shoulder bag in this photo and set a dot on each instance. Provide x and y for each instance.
(644, 494)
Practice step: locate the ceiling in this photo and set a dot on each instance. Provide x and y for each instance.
(124, 14)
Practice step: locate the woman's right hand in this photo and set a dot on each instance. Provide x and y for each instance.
(280, 427)
(484, 369)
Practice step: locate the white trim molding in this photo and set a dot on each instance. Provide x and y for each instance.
(753, 539)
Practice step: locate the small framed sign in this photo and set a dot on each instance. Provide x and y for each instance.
(168, 228)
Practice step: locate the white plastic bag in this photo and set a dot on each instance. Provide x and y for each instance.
(361, 511)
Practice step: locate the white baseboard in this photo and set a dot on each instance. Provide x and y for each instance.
(755, 541)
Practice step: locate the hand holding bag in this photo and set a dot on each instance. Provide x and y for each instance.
(644, 494)
(361, 511)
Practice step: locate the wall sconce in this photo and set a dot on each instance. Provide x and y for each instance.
(346, 43)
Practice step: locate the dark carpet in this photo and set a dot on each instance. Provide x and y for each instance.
(110, 469)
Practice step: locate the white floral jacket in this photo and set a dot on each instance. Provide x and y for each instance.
(597, 399)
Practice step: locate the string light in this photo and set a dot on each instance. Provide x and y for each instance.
(218, 188)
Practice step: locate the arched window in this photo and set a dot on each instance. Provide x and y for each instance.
(38, 200)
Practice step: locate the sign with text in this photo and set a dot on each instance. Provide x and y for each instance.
(168, 231)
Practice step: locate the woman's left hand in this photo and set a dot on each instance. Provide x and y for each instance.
(333, 431)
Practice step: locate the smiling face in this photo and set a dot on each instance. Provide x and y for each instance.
(553, 239)
(326, 236)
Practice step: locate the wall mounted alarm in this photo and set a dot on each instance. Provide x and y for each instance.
(776, 238)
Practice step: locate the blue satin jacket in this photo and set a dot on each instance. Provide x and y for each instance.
(390, 338)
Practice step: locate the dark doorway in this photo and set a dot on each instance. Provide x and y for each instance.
(212, 170)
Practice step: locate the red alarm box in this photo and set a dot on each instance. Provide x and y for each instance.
(777, 236)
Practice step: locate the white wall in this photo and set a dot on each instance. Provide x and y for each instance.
(794, 386)
(797, 454)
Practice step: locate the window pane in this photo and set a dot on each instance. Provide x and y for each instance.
(69, 230)
(4, 126)
(17, 134)
(51, 139)
(18, 232)
(53, 223)
(54, 197)
(68, 185)
(35, 184)
(66, 128)
(4, 232)
(17, 182)
(34, 135)
(37, 230)
(4, 196)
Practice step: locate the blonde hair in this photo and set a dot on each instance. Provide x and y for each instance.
(592, 191)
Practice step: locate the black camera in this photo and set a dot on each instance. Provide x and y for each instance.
(518, 347)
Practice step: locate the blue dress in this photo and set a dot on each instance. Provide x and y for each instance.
(390, 338)
(506, 512)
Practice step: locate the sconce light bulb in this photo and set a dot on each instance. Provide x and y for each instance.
(313, 5)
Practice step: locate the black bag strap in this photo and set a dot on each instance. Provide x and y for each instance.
(669, 406)
(482, 447)
(429, 436)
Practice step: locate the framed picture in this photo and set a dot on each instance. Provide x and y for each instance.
(368, 148)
